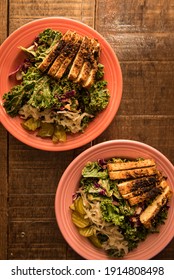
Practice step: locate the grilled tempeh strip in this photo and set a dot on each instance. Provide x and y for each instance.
(91, 77)
(94, 64)
(90, 63)
(133, 173)
(130, 164)
(79, 59)
(147, 195)
(144, 192)
(86, 67)
(63, 54)
(151, 211)
(76, 41)
(138, 192)
(54, 52)
(133, 185)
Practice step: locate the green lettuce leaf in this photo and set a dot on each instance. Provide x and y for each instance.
(93, 169)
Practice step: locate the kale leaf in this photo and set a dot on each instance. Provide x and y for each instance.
(20, 94)
(111, 213)
(15, 99)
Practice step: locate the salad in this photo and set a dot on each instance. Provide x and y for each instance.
(119, 203)
(56, 105)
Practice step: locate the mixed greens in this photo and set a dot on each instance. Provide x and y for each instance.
(103, 216)
(52, 107)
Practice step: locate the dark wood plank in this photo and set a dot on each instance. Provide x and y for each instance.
(142, 32)
(167, 253)
(3, 193)
(3, 20)
(31, 236)
(24, 11)
(147, 88)
(33, 180)
(136, 16)
(3, 151)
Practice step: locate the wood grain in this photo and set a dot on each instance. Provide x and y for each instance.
(147, 88)
(3, 20)
(3, 152)
(23, 11)
(141, 33)
(33, 180)
(136, 16)
(3, 193)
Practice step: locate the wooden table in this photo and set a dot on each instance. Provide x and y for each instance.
(142, 35)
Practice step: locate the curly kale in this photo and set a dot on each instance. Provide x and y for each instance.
(42, 97)
(49, 37)
(111, 213)
(42, 45)
(15, 99)
(20, 94)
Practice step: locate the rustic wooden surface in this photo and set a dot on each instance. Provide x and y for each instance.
(142, 34)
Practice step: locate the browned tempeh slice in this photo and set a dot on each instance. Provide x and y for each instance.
(147, 195)
(138, 192)
(132, 185)
(132, 173)
(43, 66)
(141, 188)
(86, 67)
(95, 52)
(79, 59)
(87, 74)
(93, 58)
(84, 73)
(130, 164)
(150, 212)
(71, 54)
(91, 79)
(63, 54)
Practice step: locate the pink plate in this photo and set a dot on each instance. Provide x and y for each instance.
(11, 57)
(69, 184)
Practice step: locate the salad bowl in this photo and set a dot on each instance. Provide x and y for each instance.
(11, 58)
(69, 184)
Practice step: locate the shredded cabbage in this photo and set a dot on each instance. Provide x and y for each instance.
(115, 240)
(71, 121)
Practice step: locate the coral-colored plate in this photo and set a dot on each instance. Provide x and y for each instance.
(11, 57)
(69, 184)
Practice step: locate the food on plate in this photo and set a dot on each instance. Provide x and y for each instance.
(117, 212)
(60, 85)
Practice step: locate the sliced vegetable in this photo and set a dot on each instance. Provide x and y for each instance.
(59, 134)
(31, 124)
(79, 221)
(78, 203)
(46, 130)
(95, 241)
(87, 231)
